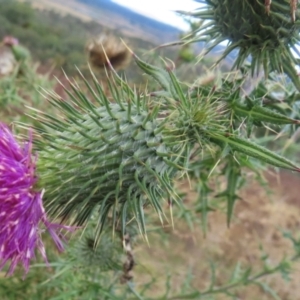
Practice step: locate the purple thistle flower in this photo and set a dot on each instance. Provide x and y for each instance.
(21, 207)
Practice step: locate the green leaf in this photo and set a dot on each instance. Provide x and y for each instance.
(262, 114)
(253, 150)
(266, 288)
(233, 174)
(203, 191)
(160, 75)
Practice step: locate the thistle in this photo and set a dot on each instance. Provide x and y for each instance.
(21, 207)
(259, 30)
(116, 157)
(107, 256)
(112, 157)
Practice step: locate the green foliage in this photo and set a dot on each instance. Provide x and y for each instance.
(45, 33)
(52, 38)
(22, 88)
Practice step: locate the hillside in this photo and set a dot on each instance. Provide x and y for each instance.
(125, 22)
(56, 34)
(160, 31)
(113, 16)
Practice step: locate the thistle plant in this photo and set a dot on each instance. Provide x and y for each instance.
(113, 157)
(105, 159)
(264, 32)
(21, 208)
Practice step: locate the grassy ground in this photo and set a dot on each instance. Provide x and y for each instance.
(259, 219)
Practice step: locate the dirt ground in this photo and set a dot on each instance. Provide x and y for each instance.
(259, 220)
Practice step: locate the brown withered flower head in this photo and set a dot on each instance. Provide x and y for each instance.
(107, 46)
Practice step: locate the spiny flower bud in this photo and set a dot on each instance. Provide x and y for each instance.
(266, 34)
(21, 207)
(110, 158)
(116, 157)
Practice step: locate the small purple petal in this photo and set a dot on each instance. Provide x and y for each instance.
(21, 207)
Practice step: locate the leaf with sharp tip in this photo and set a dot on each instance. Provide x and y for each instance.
(290, 70)
(177, 91)
(233, 174)
(203, 191)
(160, 75)
(263, 114)
(253, 150)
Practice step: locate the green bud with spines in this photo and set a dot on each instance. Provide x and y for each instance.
(267, 36)
(112, 157)
(116, 157)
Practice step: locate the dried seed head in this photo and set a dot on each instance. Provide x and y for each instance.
(108, 47)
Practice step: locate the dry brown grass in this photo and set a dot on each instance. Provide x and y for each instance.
(259, 219)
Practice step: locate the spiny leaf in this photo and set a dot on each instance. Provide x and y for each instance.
(262, 114)
(233, 174)
(203, 191)
(159, 74)
(253, 150)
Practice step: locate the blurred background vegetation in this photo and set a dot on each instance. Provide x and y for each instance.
(55, 39)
